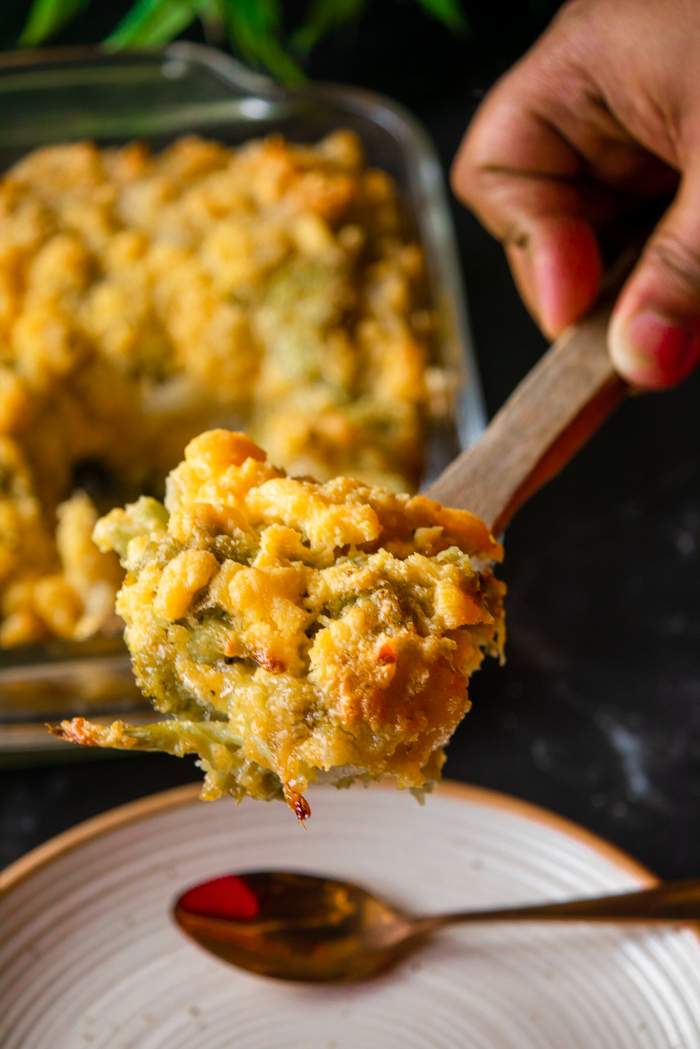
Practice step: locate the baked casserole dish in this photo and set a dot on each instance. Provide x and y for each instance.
(144, 294)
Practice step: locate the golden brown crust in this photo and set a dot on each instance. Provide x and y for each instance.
(330, 629)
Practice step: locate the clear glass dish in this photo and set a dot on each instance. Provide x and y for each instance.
(61, 96)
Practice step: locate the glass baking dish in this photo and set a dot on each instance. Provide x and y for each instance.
(68, 95)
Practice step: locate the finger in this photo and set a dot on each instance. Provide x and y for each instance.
(655, 330)
(528, 195)
(557, 271)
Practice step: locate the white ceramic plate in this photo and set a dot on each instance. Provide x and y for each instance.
(89, 957)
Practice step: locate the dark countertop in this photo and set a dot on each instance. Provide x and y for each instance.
(597, 713)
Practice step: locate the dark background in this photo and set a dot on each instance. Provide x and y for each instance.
(596, 714)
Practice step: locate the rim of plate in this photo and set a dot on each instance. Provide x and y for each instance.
(175, 797)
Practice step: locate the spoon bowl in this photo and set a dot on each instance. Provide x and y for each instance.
(294, 926)
(303, 927)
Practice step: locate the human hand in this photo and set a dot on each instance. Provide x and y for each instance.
(602, 114)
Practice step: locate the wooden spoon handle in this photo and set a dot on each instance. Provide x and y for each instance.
(555, 409)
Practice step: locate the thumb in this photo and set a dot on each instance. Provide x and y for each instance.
(655, 329)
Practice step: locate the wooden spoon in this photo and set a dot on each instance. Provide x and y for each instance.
(556, 408)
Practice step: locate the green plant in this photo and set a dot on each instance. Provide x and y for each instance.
(256, 29)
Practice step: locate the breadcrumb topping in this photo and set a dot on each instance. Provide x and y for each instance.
(144, 296)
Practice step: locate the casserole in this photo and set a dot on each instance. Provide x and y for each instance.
(189, 89)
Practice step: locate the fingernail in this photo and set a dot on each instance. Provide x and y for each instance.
(654, 350)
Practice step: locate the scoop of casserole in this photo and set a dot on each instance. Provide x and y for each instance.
(294, 631)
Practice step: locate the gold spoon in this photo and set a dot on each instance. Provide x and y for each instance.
(320, 930)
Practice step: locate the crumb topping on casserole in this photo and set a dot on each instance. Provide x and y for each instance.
(296, 630)
(145, 297)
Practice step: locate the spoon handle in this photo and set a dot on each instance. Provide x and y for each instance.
(556, 408)
(667, 902)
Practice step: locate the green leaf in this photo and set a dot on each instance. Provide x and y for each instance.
(448, 11)
(255, 31)
(323, 17)
(151, 23)
(46, 17)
